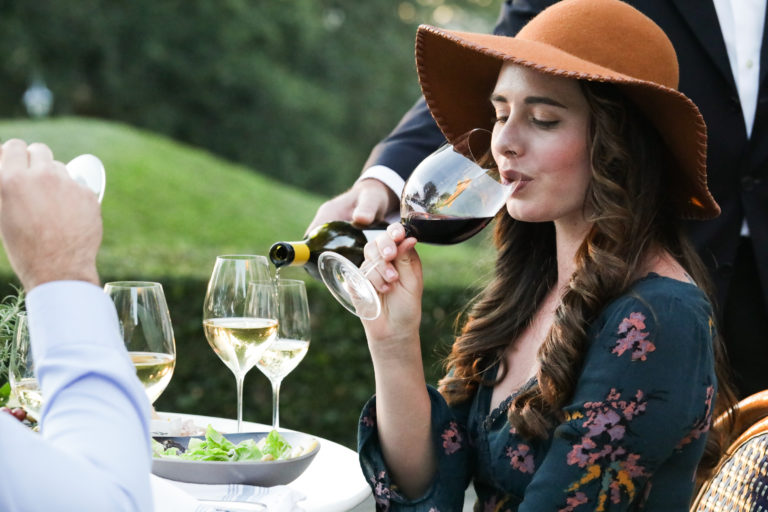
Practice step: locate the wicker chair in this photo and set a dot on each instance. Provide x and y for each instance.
(740, 482)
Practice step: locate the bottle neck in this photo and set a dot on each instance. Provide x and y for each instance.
(289, 253)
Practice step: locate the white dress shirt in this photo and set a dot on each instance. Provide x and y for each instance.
(742, 24)
(93, 451)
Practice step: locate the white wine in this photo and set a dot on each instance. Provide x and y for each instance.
(282, 357)
(30, 396)
(240, 341)
(154, 370)
(337, 236)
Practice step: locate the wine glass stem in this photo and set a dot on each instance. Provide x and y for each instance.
(276, 403)
(239, 379)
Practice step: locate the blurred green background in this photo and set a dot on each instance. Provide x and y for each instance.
(223, 126)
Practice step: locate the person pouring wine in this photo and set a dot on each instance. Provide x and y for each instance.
(587, 371)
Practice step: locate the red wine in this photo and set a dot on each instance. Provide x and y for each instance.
(443, 229)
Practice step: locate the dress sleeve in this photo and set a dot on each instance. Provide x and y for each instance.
(639, 414)
(449, 434)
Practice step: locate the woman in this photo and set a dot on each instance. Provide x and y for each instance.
(585, 376)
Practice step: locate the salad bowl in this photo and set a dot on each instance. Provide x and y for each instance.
(265, 473)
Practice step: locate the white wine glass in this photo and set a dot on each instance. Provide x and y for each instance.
(451, 196)
(21, 374)
(145, 325)
(89, 171)
(293, 334)
(236, 333)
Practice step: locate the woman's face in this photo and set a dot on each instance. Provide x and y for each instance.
(540, 144)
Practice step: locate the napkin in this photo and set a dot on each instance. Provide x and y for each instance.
(172, 496)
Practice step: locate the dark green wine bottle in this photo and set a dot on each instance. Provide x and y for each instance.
(337, 236)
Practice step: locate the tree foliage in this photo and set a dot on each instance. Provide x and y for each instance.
(299, 89)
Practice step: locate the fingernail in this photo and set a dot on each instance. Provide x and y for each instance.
(388, 251)
(390, 274)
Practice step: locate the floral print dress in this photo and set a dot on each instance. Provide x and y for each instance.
(631, 439)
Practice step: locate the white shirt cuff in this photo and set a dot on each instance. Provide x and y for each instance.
(385, 175)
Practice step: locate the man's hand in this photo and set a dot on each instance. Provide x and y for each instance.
(368, 201)
(51, 226)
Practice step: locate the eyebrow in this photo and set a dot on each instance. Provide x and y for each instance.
(529, 100)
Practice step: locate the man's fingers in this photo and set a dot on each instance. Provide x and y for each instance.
(40, 155)
(15, 156)
(370, 206)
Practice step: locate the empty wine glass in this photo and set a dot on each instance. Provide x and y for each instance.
(89, 171)
(451, 195)
(21, 374)
(145, 324)
(237, 331)
(293, 333)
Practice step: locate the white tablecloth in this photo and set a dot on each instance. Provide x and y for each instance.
(332, 483)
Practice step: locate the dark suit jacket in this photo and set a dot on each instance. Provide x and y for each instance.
(737, 166)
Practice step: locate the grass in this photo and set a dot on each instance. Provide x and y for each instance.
(169, 209)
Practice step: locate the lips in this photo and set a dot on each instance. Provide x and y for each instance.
(517, 179)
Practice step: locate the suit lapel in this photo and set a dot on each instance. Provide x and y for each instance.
(701, 16)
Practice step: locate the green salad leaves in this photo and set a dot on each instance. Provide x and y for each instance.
(216, 447)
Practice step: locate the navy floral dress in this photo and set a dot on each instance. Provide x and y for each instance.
(633, 432)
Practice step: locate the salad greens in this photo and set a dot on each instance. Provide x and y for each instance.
(215, 447)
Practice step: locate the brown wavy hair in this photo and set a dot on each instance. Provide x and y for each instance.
(632, 212)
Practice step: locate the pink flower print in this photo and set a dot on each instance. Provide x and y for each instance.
(381, 492)
(369, 420)
(579, 454)
(635, 321)
(574, 501)
(451, 438)
(607, 421)
(701, 426)
(521, 458)
(634, 339)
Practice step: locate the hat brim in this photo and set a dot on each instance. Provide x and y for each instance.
(458, 71)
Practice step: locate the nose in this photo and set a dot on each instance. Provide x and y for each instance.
(506, 141)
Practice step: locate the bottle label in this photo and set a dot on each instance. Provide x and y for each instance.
(302, 253)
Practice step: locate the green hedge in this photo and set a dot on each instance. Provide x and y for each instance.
(324, 394)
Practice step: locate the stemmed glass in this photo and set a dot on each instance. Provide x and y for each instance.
(89, 171)
(451, 195)
(237, 331)
(21, 373)
(293, 334)
(145, 324)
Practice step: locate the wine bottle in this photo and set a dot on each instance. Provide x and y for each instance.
(337, 236)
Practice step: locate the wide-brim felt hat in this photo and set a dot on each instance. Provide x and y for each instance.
(595, 40)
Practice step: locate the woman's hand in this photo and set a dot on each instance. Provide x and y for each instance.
(397, 276)
(402, 404)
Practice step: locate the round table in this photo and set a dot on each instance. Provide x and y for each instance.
(332, 483)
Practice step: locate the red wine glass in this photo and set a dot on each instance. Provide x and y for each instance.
(451, 196)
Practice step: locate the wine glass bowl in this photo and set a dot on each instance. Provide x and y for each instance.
(89, 171)
(145, 325)
(21, 370)
(238, 328)
(451, 196)
(293, 335)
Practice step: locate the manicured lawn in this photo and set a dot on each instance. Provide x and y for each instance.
(169, 209)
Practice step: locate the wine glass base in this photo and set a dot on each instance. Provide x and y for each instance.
(348, 284)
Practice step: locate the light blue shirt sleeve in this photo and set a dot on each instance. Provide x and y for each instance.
(93, 452)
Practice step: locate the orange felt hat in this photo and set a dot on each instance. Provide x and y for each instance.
(596, 40)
